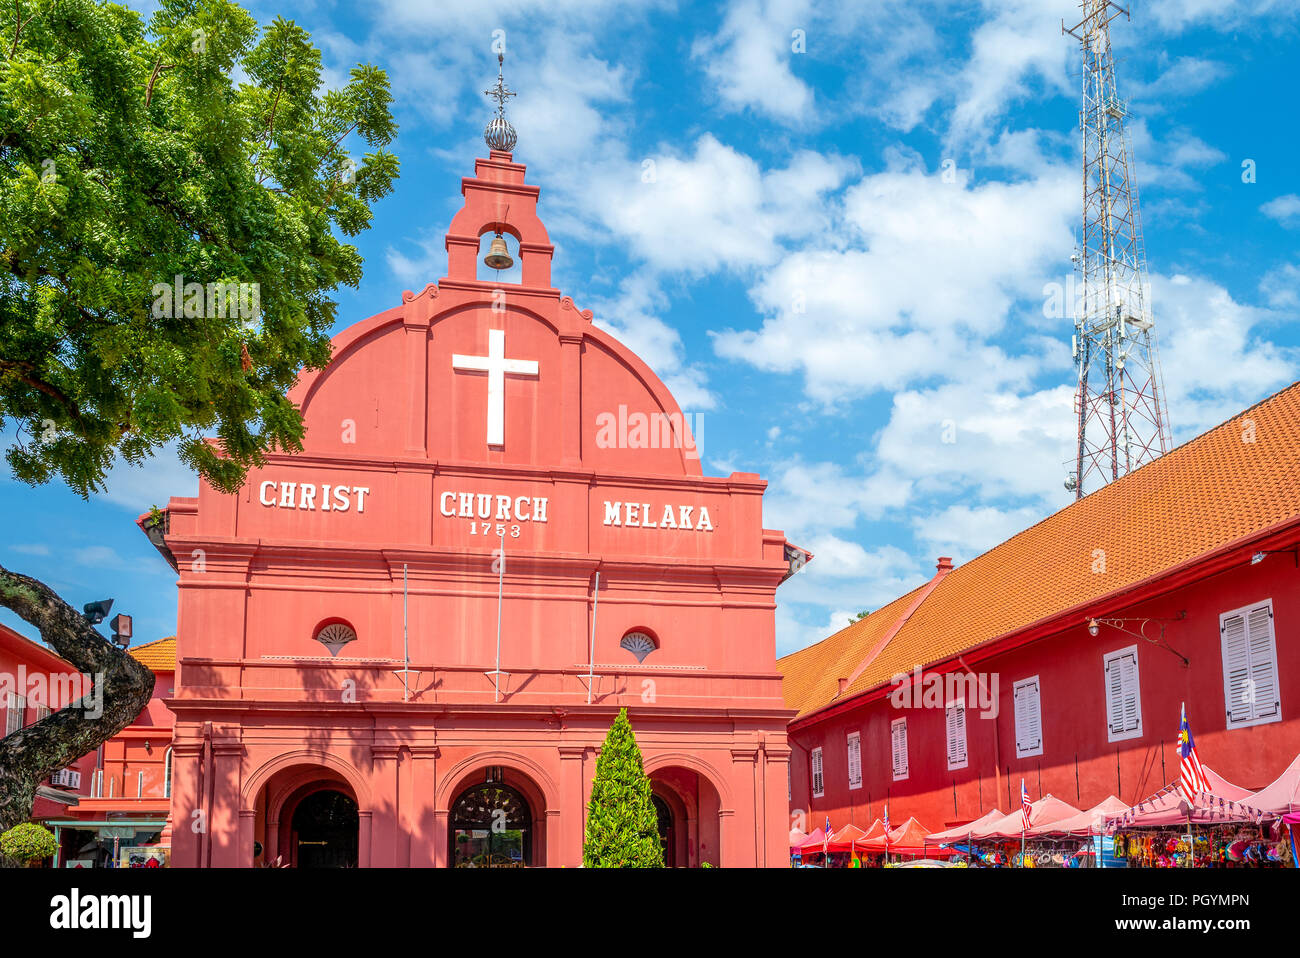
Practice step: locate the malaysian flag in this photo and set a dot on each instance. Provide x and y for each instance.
(1025, 807)
(1192, 780)
(886, 819)
(826, 834)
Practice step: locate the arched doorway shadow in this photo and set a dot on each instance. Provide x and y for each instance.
(325, 828)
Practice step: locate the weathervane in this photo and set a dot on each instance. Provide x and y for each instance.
(499, 134)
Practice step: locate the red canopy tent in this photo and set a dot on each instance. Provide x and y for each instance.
(1091, 822)
(961, 833)
(1283, 795)
(1223, 803)
(1046, 809)
(908, 838)
(846, 839)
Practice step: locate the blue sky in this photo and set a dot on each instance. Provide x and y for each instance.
(798, 268)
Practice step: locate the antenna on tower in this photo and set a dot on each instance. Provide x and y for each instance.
(1119, 403)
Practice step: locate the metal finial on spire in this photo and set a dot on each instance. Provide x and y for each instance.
(499, 134)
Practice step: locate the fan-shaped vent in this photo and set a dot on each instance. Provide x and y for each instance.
(639, 644)
(335, 636)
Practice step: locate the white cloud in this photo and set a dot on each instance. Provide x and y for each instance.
(934, 264)
(749, 60)
(1285, 209)
(101, 557)
(964, 531)
(1215, 358)
(152, 483)
(32, 549)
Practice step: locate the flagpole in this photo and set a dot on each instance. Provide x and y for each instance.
(501, 585)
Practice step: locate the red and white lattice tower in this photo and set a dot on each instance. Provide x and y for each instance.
(1120, 407)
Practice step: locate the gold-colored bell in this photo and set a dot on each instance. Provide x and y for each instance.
(498, 256)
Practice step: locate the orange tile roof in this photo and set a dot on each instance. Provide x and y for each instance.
(1238, 479)
(159, 656)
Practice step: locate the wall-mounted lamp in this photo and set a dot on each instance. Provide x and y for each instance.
(1260, 556)
(1121, 624)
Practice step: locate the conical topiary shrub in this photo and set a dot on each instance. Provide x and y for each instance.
(622, 827)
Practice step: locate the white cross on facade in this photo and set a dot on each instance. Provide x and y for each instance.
(496, 366)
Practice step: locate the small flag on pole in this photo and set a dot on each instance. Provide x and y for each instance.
(1192, 780)
(1025, 807)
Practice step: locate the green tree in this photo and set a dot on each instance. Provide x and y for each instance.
(197, 154)
(622, 826)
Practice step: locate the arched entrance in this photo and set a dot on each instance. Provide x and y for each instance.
(667, 832)
(490, 827)
(325, 830)
(693, 834)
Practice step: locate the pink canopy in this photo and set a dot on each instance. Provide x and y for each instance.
(1283, 795)
(1091, 822)
(797, 838)
(962, 832)
(1224, 802)
(1046, 809)
(814, 842)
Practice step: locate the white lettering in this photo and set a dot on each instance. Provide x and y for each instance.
(361, 497)
(539, 510)
(503, 507)
(669, 521)
(341, 502)
(612, 513)
(467, 505)
(645, 517)
(633, 511)
(685, 512)
(308, 498)
(325, 498)
(442, 504)
(286, 494)
(705, 524)
(261, 495)
(521, 504)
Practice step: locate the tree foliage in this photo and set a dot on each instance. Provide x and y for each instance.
(622, 826)
(195, 147)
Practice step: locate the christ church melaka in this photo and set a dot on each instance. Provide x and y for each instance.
(404, 645)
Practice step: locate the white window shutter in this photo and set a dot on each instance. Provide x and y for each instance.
(955, 721)
(1250, 680)
(817, 780)
(1236, 669)
(1123, 695)
(898, 747)
(855, 759)
(1029, 718)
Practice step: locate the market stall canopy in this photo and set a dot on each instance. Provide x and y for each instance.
(906, 838)
(1283, 795)
(1091, 822)
(846, 839)
(797, 838)
(1224, 802)
(960, 833)
(1047, 809)
(876, 830)
(814, 842)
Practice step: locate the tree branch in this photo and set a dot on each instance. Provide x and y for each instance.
(122, 687)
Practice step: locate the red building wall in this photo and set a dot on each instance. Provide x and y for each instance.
(1078, 765)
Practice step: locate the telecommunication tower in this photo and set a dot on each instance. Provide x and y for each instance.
(1122, 419)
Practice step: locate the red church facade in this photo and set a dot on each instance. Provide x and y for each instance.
(1062, 656)
(404, 645)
